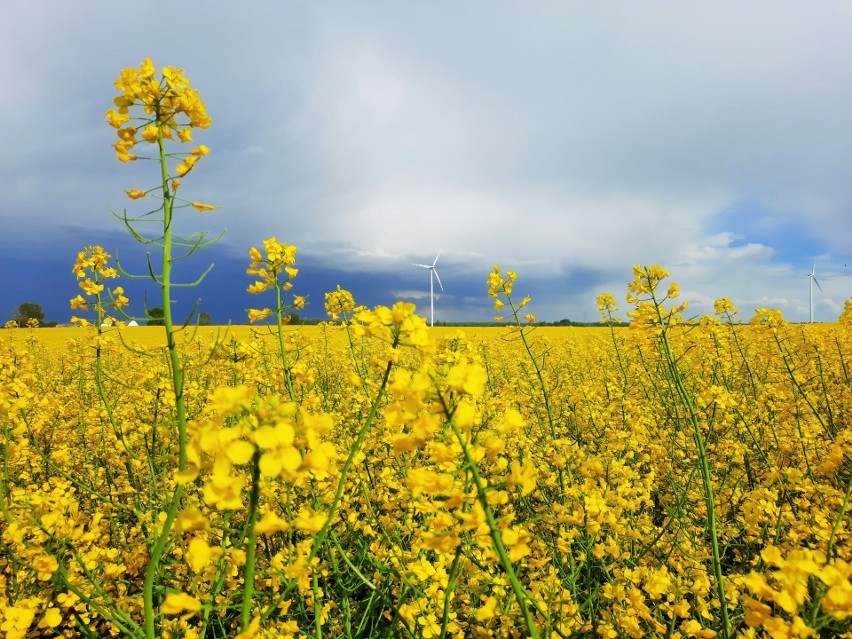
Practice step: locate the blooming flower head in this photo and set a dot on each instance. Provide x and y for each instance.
(724, 307)
(644, 291)
(607, 306)
(92, 269)
(498, 284)
(169, 108)
(339, 301)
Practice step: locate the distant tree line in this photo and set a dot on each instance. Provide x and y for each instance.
(30, 314)
(562, 322)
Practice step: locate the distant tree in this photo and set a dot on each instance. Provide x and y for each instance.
(29, 311)
(204, 318)
(292, 318)
(155, 317)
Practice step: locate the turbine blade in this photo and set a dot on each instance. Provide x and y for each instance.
(436, 259)
(422, 265)
(817, 283)
(439, 278)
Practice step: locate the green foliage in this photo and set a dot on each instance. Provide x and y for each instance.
(28, 311)
(155, 317)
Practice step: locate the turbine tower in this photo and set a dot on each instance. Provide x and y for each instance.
(811, 281)
(433, 275)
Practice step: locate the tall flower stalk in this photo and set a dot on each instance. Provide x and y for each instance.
(162, 107)
(650, 314)
(275, 270)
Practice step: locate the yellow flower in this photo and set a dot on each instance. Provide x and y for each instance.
(203, 207)
(257, 287)
(176, 603)
(524, 476)
(198, 554)
(90, 287)
(516, 542)
(270, 524)
(424, 480)
(430, 626)
(151, 133)
(52, 618)
(239, 452)
(256, 315)
(488, 609)
(468, 378)
(128, 134)
(17, 621)
(119, 299)
(116, 119)
(46, 565)
(222, 489)
(135, 194)
(310, 522)
(251, 631)
(191, 520)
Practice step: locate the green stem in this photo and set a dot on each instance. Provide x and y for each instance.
(317, 607)
(282, 348)
(839, 519)
(6, 484)
(251, 545)
(177, 384)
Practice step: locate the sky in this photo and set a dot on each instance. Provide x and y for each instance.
(566, 141)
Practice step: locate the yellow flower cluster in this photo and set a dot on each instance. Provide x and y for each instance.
(500, 289)
(270, 434)
(339, 302)
(171, 107)
(607, 305)
(279, 261)
(91, 269)
(644, 291)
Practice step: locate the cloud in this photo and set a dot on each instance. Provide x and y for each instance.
(557, 138)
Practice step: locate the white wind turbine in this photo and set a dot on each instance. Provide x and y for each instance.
(811, 281)
(433, 275)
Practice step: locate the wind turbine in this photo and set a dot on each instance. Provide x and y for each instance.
(811, 281)
(433, 275)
